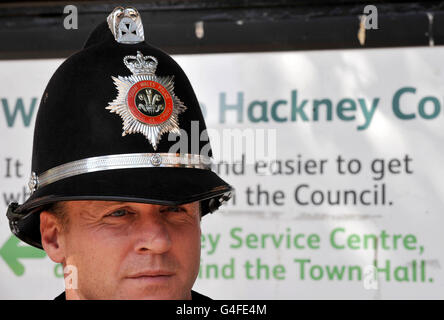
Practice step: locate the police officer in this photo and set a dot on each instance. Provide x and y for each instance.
(118, 186)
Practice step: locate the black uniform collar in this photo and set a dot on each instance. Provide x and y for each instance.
(196, 296)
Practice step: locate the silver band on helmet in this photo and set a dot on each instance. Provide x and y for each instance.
(119, 161)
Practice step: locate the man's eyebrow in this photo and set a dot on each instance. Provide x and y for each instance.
(102, 204)
(107, 204)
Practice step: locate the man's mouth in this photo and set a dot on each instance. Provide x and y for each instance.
(152, 276)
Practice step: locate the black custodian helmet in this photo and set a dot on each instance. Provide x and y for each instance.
(108, 128)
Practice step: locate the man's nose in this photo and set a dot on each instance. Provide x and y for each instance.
(152, 234)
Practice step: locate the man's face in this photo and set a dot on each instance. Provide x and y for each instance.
(128, 250)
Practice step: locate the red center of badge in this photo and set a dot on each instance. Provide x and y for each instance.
(149, 102)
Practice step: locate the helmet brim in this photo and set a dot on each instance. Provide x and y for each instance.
(162, 186)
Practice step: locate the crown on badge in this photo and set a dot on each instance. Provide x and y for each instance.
(139, 64)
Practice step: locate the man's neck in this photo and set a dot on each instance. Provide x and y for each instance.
(71, 294)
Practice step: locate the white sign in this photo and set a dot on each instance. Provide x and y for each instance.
(349, 205)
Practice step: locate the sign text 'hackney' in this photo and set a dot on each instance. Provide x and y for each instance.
(404, 104)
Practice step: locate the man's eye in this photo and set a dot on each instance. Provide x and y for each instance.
(119, 213)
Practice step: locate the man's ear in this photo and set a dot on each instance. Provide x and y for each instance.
(52, 237)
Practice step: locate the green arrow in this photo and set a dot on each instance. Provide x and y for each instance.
(11, 252)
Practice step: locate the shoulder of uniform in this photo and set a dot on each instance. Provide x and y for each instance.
(196, 296)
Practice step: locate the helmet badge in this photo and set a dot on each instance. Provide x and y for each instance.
(146, 102)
